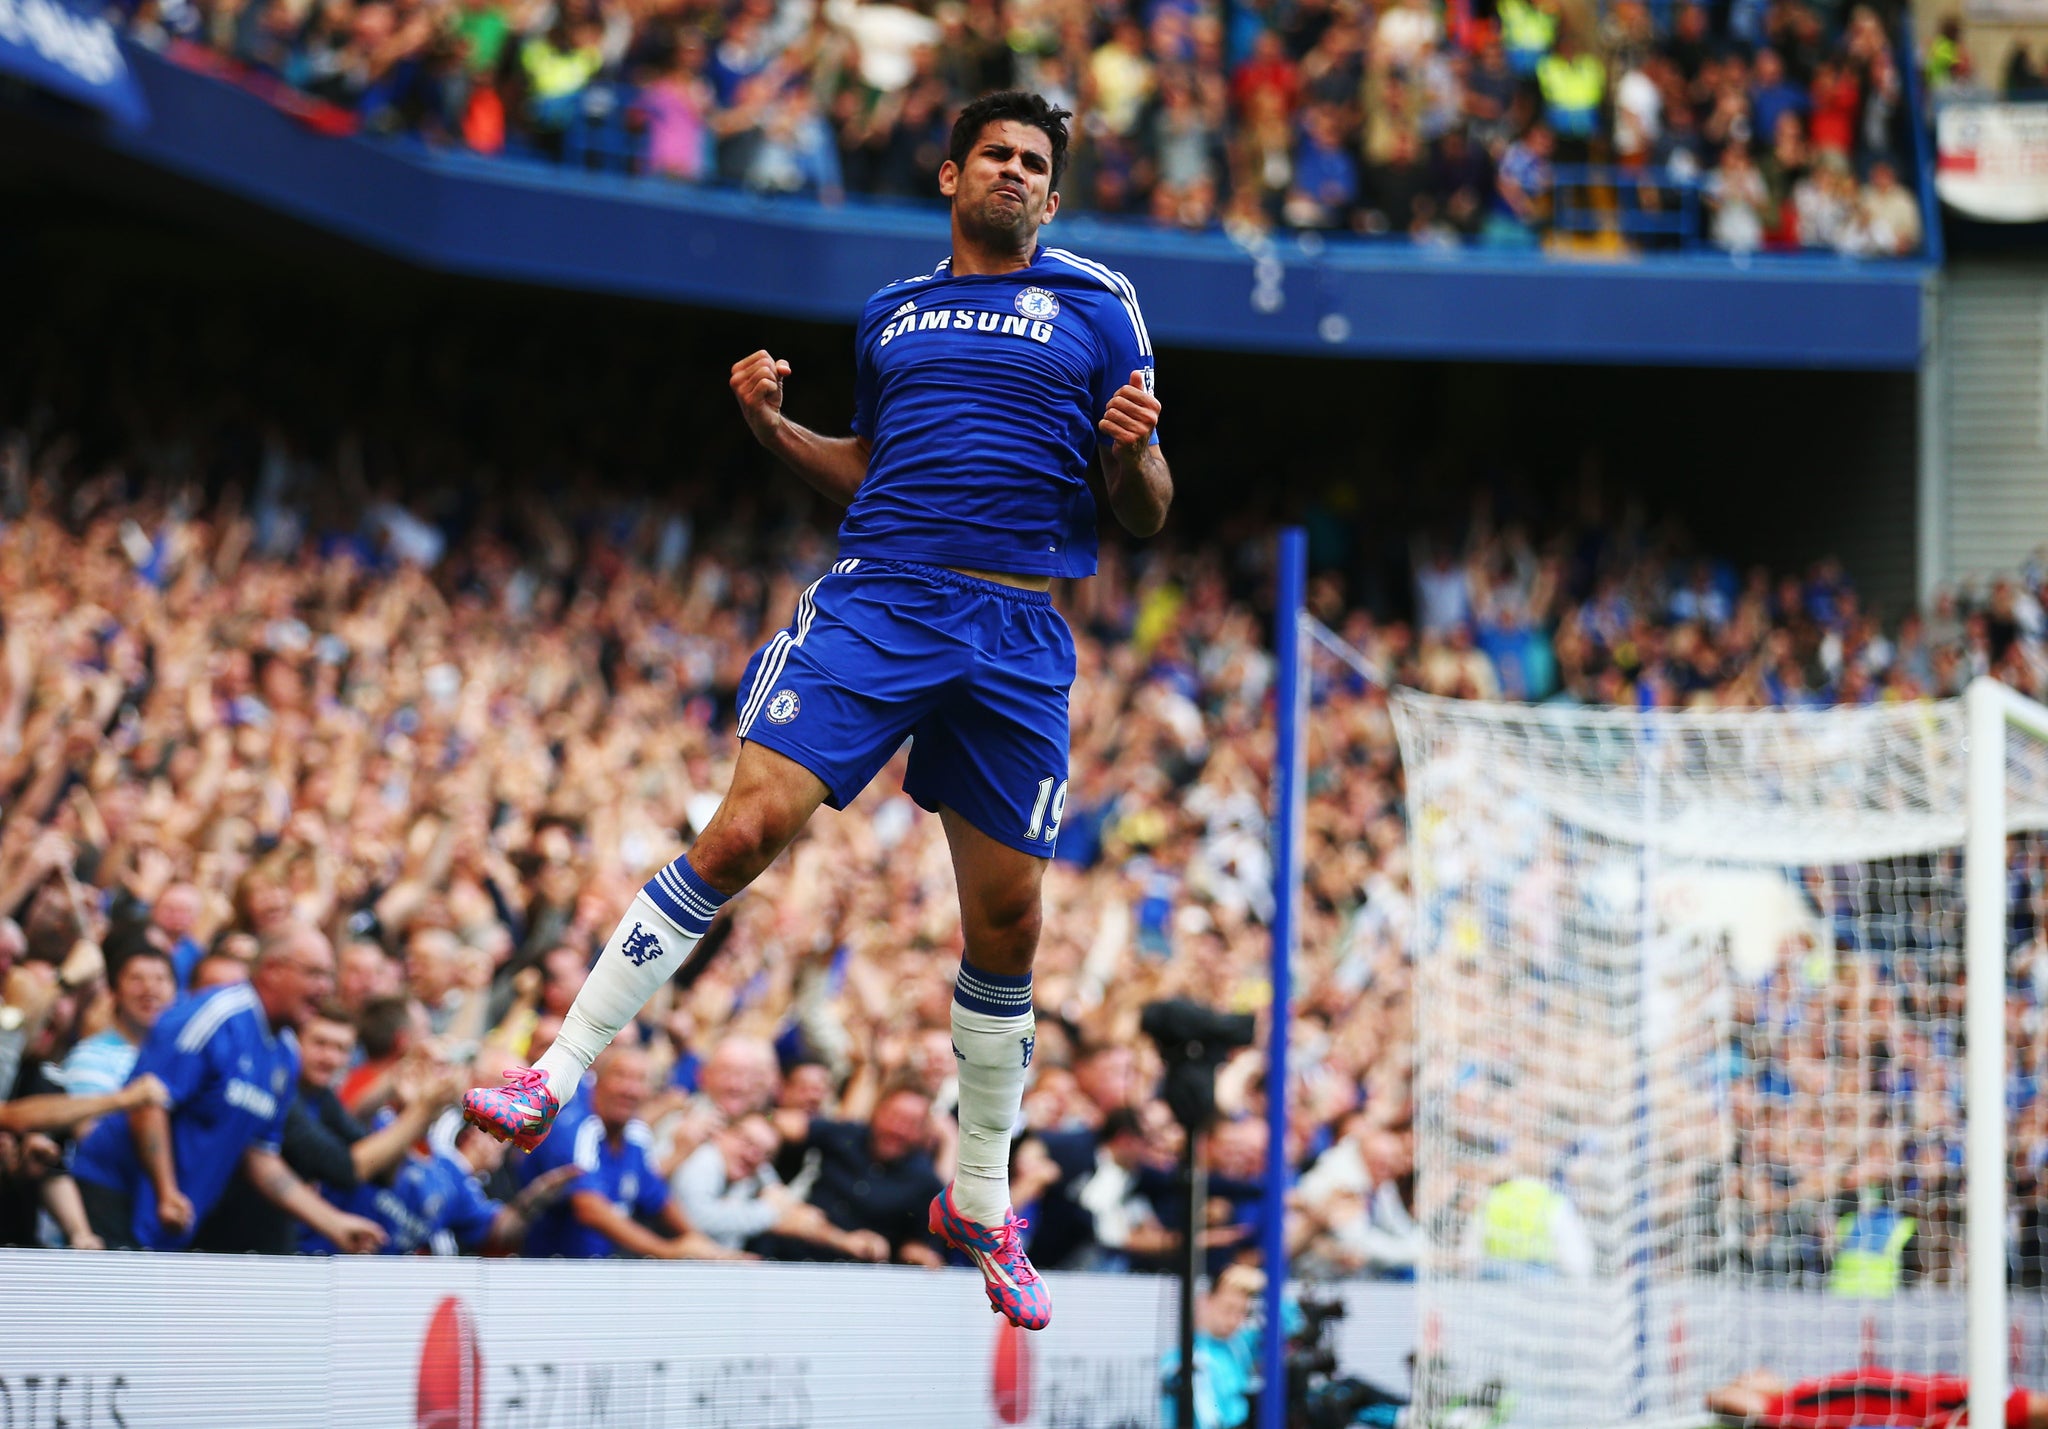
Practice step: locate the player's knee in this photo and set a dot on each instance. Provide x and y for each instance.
(738, 846)
(1003, 933)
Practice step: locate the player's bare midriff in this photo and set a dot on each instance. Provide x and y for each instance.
(1008, 578)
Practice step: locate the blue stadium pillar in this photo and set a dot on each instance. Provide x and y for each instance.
(1289, 779)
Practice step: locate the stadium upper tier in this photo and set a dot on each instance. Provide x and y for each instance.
(1607, 126)
(457, 212)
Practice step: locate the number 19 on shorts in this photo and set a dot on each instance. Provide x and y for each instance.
(1047, 812)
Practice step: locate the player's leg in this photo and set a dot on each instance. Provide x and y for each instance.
(771, 798)
(824, 704)
(994, 1030)
(993, 1036)
(993, 760)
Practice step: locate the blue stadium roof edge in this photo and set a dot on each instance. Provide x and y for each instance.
(500, 219)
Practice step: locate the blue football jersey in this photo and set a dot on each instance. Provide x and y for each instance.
(978, 395)
(231, 1081)
(428, 1196)
(624, 1176)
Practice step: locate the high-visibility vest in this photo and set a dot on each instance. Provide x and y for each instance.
(553, 73)
(1514, 1223)
(1572, 85)
(1942, 57)
(1526, 30)
(1870, 1252)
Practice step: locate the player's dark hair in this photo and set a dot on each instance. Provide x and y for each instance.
(1018, 104)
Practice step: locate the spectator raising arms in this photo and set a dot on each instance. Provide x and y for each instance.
(263, 711)
(1341, 115)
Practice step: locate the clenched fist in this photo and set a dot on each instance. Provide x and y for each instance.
(1132, 417)
(757, 382)
(174, 1210)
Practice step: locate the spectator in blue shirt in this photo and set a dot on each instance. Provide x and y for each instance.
(323, 1144)
(1522, 187)
(1772, 95)
(1325, 179)
(618, 1194)
(231, 1063)
(437, 1200)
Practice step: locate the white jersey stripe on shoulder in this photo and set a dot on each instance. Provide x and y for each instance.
(199, 1031)
(1109, 280)
(589, 1141)
(1117, 284)
(944, 265)
(242, 998)
(1128, 289)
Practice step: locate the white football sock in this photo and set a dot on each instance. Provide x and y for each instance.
(652, 942)
(993, 1036)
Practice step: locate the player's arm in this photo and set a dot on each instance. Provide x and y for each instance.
(834, 467)
(1133, 468)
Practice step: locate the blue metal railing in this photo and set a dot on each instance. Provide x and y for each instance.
(1920, 115)
(1640, 204)
(604, 134)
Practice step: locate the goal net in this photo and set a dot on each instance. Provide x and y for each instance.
(1691, 1078)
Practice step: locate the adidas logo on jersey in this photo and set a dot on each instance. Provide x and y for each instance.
(908, 307)
(961, 320)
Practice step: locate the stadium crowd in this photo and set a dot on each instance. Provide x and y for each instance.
(1783, 125)
(385, 774)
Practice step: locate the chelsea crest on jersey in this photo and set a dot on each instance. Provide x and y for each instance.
(979, 396)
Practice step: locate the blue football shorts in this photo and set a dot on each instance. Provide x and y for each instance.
(973, 673)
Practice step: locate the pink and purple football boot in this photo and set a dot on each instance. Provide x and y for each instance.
(1014, 1289)
(520, 1112)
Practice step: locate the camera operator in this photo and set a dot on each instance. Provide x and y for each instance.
(1318, 1397)
(1226, 1353)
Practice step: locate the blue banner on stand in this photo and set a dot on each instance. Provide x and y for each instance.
(61, 49)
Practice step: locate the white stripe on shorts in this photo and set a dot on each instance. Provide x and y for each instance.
(776, 656)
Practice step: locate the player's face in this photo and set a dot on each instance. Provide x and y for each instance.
(1003, 192)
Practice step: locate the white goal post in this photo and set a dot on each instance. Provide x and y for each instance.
(1994, 713)
(1693, 991)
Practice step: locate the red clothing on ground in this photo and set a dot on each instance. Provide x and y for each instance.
(1881, 1396)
